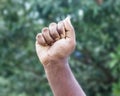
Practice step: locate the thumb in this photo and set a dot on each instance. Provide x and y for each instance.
(69, 28)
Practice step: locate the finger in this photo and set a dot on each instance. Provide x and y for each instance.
(53, 31)
(60, 28)
(46, 34)
(40, 39)
(69, 28)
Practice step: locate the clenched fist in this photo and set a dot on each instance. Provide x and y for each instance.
(56, 42)
(54, 45)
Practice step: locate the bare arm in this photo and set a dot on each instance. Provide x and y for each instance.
(53, 46)
(62, 80)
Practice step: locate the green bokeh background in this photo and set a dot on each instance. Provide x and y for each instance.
(95, 62)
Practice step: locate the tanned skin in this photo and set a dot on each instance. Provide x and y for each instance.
(53, 46)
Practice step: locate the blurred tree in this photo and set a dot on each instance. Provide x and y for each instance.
(95, 61)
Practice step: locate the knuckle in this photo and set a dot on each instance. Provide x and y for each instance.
(52, 24)
(45, 29)
(53, 30)
(38, 36)
(60, 27)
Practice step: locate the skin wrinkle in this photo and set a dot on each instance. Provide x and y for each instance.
(61, 31)
(48, 38)
(44, 30)
(53, 31)
(40, 39)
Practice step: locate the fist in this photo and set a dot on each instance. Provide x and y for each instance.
(56, 42)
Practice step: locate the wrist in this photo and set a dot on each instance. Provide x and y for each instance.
(55, 64)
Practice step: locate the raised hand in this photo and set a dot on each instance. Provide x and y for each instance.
(56, 42)
(54, 45)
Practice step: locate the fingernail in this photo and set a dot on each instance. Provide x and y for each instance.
(68, 19)
(62, 36)
(56, 39)
(51, 44)
(46, 44)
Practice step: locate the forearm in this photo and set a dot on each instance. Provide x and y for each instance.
(62, 81)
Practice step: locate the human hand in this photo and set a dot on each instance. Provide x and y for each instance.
(56, 42)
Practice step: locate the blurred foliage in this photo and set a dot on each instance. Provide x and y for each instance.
(95, 62)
